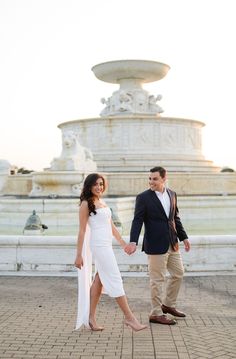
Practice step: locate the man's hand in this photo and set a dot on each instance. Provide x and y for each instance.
(187, 245)
(130, 248)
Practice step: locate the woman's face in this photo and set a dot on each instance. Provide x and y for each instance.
(98, 188)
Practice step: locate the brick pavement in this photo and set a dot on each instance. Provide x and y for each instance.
(37, 317)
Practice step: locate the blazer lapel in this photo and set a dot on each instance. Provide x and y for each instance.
(157, 202)
(172, 204)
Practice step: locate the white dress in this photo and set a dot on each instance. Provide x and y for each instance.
(97, 245)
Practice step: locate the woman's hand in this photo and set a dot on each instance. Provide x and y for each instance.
(123, 244)
(79, 261)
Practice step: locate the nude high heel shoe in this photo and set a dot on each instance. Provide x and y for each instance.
(95, 329)
(135, 325)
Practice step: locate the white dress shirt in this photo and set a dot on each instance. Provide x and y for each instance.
(165, 201)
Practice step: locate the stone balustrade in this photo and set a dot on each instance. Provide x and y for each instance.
(56, 254)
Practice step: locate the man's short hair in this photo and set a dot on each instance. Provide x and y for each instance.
(159, 169)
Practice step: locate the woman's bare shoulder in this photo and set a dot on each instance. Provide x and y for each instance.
(84, 203)
(84, 206)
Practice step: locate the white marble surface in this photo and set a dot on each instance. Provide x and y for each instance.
(54, 184)
(66, 174)
(74, 156)
(199, 184)
(60, 215)
(199, 214)
(56, 253)
(131, 183)
(131, 98)
(143, 70)
(139, 142)
(4, 173)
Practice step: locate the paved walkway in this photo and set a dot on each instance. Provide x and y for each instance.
(37, 316)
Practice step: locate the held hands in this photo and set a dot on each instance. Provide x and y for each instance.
(79, 261)
(187, 245)
(130, 248)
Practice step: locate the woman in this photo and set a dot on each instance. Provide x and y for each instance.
(95, 236)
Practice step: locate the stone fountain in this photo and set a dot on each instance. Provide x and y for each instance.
(130, 135)
(128, 138)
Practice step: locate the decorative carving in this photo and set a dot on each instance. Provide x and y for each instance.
(74, 156)
(130, 75)
(37, 188)
(126, 101)
(76, 189)
(107, 109)
(153, 106)
(168, 137)
(131, 101)
(145, 134)
(141, 101)
(192, 139)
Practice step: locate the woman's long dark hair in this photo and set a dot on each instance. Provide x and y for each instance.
(86, 193)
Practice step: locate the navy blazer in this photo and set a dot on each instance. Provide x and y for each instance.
(159, 231)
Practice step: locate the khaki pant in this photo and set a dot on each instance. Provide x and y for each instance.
(158, 264)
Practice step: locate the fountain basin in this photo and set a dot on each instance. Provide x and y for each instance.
(57, 184)
(145, 70)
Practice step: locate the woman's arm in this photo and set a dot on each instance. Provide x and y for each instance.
(83, 219)
(117, 235)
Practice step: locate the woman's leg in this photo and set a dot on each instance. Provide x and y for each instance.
(124, 306)
(95, 293)
(130, 319)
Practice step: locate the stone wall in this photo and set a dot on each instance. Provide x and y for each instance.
(57, 253)
(199, 214)
(131, 183)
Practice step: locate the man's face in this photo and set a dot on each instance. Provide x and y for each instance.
(156, 182)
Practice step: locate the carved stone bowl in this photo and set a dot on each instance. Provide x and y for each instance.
(143, 70)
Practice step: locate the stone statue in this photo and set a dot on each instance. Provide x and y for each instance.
(74, 156)
(153, 106)
(106, 109)
(131, 101)
(126, 101)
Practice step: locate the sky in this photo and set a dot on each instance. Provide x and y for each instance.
(48, 47)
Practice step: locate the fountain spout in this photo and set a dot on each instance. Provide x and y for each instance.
(131, 98)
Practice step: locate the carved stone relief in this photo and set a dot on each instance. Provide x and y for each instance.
(131, 101)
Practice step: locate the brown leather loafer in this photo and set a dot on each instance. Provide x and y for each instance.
(161, 319)
(172, 311)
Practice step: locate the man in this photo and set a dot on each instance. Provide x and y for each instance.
(157, 209)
